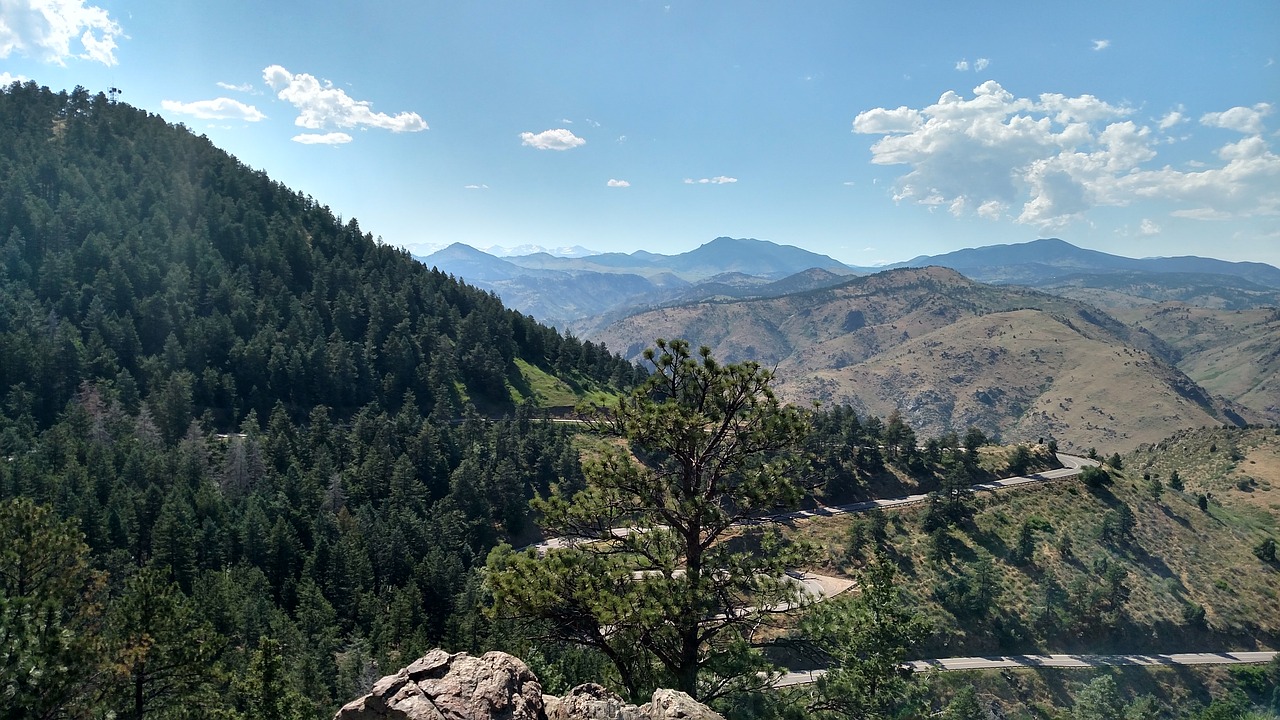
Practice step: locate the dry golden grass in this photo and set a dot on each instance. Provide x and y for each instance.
(949, 353)
(1231, 353)
(1179, 556)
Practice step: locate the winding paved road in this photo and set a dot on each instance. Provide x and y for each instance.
(1057, 661)
(821, 587)
(1071, 466)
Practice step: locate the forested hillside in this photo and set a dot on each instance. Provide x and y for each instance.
(245, 439)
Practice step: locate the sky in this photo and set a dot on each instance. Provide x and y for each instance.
(872, 132)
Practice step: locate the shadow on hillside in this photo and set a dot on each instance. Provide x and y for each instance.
(989, 540)
(1180, 519)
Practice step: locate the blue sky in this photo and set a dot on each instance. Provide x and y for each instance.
(869, 131)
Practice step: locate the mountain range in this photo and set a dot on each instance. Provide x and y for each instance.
(585, 292)
(948, 352)
(581, 292)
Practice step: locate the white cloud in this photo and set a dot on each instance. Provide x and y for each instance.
(1172, 118)
(618, 183)
(978, 65)
(333, 138)
(481, 186)
(991, 210)
(216, 109)
(566, 121)
(717, 180)
(880, 120)
(6, 79)
(1148, 227)
(320, 105)
(45, 29)
(557, 139)
(1101, 45)
(244, 88)
(1050, 160)
(621, 139)
(1241, 119)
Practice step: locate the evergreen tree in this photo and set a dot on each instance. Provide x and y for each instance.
(863, 641)
(162, 653)
(49, 614)
(654, 585)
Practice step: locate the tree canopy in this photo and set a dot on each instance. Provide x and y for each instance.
(643, 568)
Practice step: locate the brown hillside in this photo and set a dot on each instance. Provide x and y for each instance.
(1232, 353)
(947, 353)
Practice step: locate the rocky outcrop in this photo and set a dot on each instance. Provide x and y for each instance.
(441, 686)
(497, 686)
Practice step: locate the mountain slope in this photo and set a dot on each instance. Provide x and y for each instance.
(1039, 261)
(1232, 353)
(1129, 289)
(583, 294)
(947, 353)
(139, 255)
(759, 258)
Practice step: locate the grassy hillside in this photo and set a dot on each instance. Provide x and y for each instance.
(1232, 353)
(1115, 585)
(949, 353)
(1172, 578)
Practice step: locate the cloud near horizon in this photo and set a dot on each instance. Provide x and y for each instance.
(215, 109)
(45, 29)
(1047, 161)
(321, 105)
(333, 138)
(717, 180)
(557, 139)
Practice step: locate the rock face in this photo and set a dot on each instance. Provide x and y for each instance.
(440, 686)
(497, 686)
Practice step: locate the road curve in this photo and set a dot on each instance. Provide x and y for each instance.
(820, 587)
(1056, 661)
(1072, 465)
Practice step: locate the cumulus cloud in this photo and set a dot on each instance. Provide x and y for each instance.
(981, 64)
(320, 105)
(1048, 160)
(7, 79)
(557, 139)
(1241, 119)
(216, 109)
(1101, 45)
(880, 120)
(717, 180)
(962, 65)
(617, 183)
(1148, 227)
(1172, 118)
(333, 138)
(46, 29)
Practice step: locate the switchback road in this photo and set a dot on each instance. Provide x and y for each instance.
(1056, 661)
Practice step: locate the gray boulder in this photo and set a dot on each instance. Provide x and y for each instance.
(497, 686)
(593, 702)
(441, 686)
